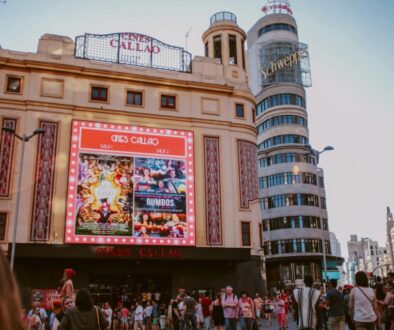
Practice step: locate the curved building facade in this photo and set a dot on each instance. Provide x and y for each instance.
(145, 179)
(292, 194)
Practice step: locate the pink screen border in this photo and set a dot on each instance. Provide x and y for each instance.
(71, 238)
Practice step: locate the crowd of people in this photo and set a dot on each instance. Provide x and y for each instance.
(363, 306)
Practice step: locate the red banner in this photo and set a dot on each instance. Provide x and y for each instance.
(137, 143)
(45, 296)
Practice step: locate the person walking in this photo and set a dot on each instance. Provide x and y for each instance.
(217, 313)
(138, 317)
(285, 297)
(306, 302)
(35, 321)
(268, 308)
(206, 303)
(246, 311)
(346, 295)
(108, 313)
(43, 314)
(124, 316)
(258, 306)
(389, 303)
(84, 315)
(189, 313)
(380, 295)
(336, 310)
(57, 314)
(148, 310)
(280, 311)
(163, 315)
(230, 309)
(362, 303)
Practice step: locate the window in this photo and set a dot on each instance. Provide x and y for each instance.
(281, 120)
(283, 139)
(287, 200)
(286, 158)
(14, 85)
(254, 115)
(206, 49)
(168, 102)
(294, 246)
(239, 110)
(245, 231)
(99, 94)
(3, 224)
(321, 182)
(275, 27)
(280, 99)
(287, 178)
(217, 47)
(323, 203)
(232, 44)
(134, 98)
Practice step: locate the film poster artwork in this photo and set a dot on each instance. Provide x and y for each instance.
(125, 197)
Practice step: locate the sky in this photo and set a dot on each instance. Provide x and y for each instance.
(350, 105)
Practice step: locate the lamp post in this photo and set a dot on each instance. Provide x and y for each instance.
(316, 154)
(24, 138)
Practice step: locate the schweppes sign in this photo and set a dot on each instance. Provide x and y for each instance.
(285, 62)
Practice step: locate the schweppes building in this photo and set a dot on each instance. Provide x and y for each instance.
(138, 168)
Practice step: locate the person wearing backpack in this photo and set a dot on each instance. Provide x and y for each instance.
(335, 304)
(362, 303)
(230, 309)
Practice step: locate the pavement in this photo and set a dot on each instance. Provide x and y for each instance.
(275, 326)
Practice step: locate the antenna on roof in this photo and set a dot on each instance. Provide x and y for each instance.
(187, 36)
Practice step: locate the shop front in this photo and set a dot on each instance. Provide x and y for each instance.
(111, 271)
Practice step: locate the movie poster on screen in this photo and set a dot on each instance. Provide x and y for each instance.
(130, 185)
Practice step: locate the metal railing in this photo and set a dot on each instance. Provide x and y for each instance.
(223, 16)
(133, 49)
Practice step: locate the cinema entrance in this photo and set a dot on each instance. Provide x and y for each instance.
(112, 288)
(112, 271)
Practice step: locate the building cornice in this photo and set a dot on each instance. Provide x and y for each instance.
(123, 77)
(86, 112)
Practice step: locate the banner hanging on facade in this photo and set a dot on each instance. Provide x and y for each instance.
(130, 185)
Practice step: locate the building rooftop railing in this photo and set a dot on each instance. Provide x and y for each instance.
(223, 16)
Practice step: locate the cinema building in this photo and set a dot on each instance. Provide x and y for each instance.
(292, 192)
(144, 178)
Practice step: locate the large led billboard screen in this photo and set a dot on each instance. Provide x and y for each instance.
(130, 185)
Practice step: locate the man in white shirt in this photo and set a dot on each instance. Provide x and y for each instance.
(139, 317)
(108, 314)
(306, 303)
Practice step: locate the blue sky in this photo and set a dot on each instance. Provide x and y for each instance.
(350, 104)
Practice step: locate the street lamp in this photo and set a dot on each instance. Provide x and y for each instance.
(316, 154)
(24, 138)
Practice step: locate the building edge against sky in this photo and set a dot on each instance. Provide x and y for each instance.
(157, 162)
(292, 193)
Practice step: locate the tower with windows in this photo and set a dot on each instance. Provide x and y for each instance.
(292, 193)
(224, 41)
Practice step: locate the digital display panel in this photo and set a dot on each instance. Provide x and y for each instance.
(130, 185)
